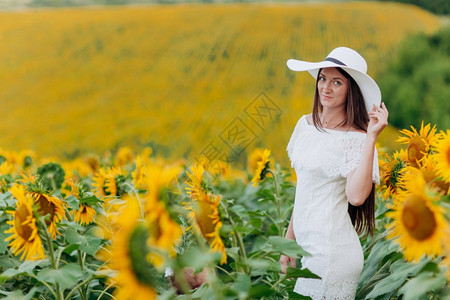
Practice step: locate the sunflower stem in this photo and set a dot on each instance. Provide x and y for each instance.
(58, 257)
(46, 284)
(80, 260)
(59, 292)
(242, 250)
(50, 245)
(277, 201)
(52, 257)
(104, 292)
(238, 241)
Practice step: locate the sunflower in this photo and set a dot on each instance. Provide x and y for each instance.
(220, 168)
(428, 168)
(139, 174)
(92, 162)
(159, 177)
(47, 204)
(52, 206)
(419, 143)
(85, 214)
(442, 156)
(77, 167)
(259, 163)
(391, 170)
(205, 220)
(196, 186)
(124, 156)
(25, 237)
(107, 183)
(418, 224)
(164, 235)
(154, 174)
(138, 248)
(6, 168)
(133, 276)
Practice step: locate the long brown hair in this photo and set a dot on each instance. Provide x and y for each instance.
(363, 216)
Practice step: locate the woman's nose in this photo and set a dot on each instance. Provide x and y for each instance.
(327, 86)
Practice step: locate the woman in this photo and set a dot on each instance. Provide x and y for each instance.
(334, 156)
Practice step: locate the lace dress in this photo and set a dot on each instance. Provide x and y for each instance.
(321, 223)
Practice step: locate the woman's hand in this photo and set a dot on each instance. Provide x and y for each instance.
(285, 261)
(378, 119)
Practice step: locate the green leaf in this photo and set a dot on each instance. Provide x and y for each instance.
(417, 288)
(18, 295)
(88, 243)
(67, 276)
(3, 236)
(51, 175)
(239, 210)
(26, 267)
(304, 273)
(260, 291)
(370, 265)
(6, 200)
(285, 246)
(91, 201)
(8, 262)
(73, 202)
(242, 285)
(232, 252)
(243, 229)
(294, 295)
(263, 266)
(203, 292)
(379, 275)
(70, 248)
(400, 270)
(198, 259)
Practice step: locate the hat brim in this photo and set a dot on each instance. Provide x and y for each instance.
(369, 88)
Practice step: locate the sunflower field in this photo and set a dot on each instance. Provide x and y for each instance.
(137, 226)
(172, 76)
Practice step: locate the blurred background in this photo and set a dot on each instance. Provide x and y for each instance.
(191, 78)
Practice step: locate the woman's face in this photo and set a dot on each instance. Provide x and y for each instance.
(332, 87)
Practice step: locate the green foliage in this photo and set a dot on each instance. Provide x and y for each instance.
(440, 7)
(51, 176)
(416, 86)
(254, 223)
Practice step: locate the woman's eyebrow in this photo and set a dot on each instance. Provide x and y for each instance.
(340, 78)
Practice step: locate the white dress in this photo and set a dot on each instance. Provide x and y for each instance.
(322, 226)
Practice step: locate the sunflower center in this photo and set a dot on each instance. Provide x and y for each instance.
(416, 149)
(417, 218)
(45, 206)
(21, 215)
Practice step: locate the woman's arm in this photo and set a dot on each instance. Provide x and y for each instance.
(359, 181)
(285, 260)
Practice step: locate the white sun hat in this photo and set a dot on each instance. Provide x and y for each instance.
(350, 61)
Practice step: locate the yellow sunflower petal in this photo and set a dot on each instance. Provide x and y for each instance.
(25, 238)
(418, 224)
(442, 156)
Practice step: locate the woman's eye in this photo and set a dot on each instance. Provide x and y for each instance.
(338, 83)
(321, 78)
